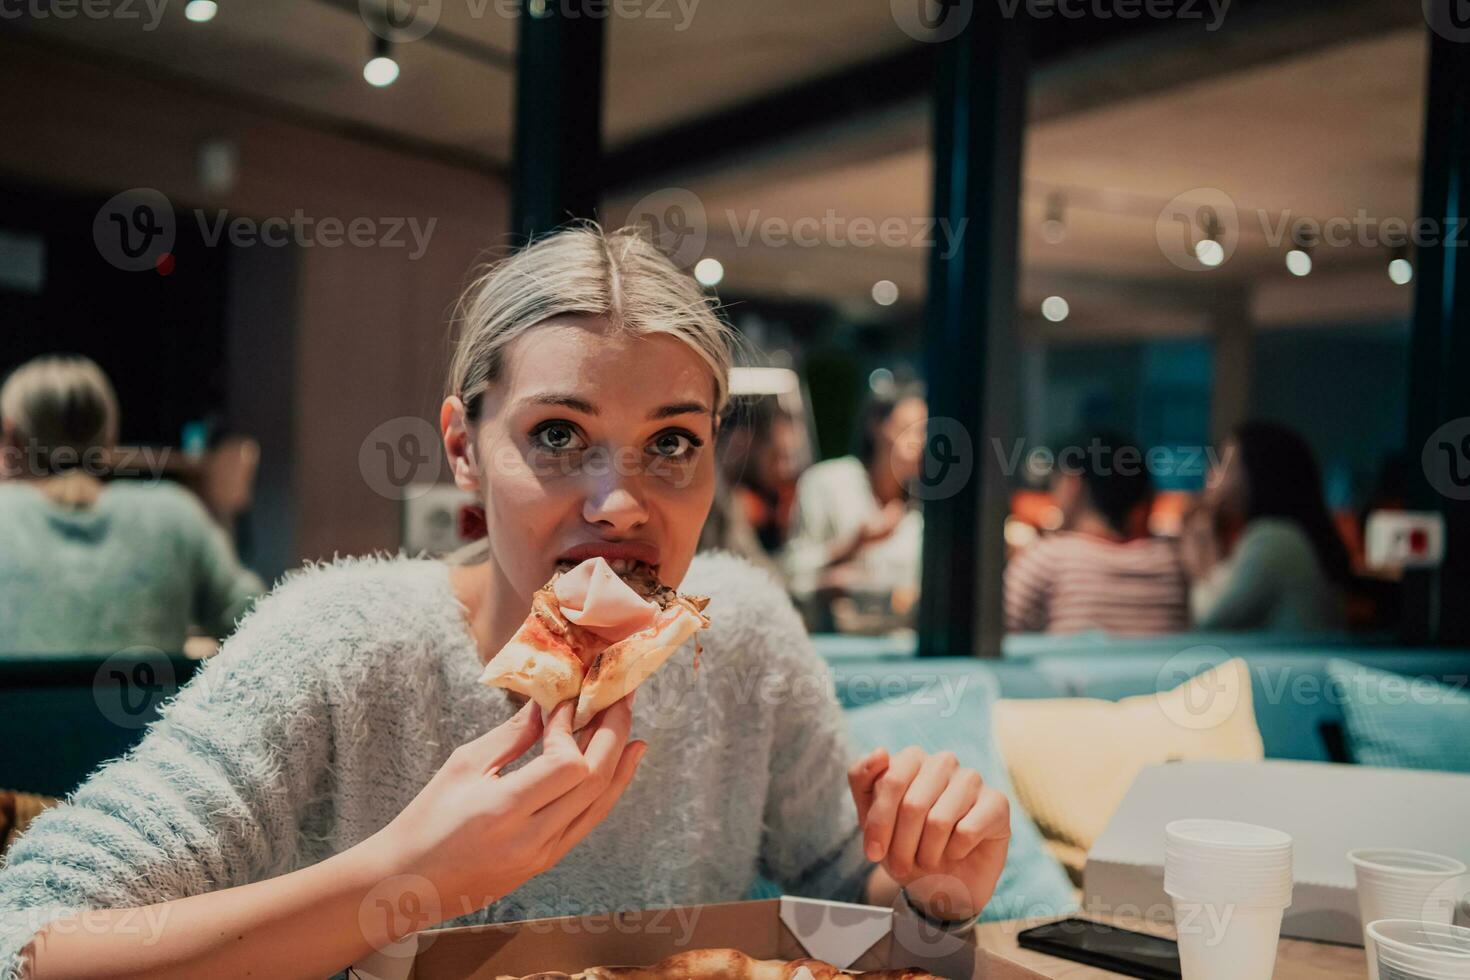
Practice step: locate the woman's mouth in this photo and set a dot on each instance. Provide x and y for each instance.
(627, 558)
(623, 566)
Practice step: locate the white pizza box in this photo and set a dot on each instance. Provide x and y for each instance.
(1328, 809)
(856, 937)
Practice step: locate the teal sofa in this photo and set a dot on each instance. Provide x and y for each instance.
(1296, 709)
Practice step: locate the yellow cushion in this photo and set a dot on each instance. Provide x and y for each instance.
(1072, 760)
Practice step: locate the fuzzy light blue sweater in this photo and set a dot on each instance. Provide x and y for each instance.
(344, 691)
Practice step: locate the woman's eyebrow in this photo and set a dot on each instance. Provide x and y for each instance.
(587, 408)
(679, 408)
(564, 401)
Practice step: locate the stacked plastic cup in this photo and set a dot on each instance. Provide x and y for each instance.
(1397, 883)
(1229, 883)
(1407, 949)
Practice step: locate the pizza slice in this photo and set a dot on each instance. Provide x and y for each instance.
(594, 634)
(727, 964)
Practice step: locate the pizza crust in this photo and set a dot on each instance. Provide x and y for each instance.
(726, 964)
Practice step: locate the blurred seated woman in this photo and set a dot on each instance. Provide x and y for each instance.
(754, 487)
(94, 566)
(1261, 547)
(1102, 570)
(854, 531)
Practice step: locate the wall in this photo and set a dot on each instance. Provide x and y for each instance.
(370, 323)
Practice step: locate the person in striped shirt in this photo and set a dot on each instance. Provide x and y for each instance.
(1101, 570)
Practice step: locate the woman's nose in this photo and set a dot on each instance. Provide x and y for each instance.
(615, 506)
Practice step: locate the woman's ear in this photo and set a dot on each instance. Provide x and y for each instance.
(459, 444)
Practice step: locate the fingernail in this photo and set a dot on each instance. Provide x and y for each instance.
(875, 851)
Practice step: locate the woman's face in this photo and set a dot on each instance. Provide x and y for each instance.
(901, 436)
(1225, 486)
(592, 442)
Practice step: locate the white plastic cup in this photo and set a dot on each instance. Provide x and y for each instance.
(1404, 884)
(1226, 941)
(1229, 883)
(1407, 949)
(1396, 883)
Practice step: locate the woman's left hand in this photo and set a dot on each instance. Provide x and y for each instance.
(938, 830)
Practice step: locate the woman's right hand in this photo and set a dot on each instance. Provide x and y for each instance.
(476, 835)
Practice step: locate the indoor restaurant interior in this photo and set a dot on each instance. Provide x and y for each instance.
(1049, 525)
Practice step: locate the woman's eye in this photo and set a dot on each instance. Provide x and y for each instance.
(674, 445)
(559, 437)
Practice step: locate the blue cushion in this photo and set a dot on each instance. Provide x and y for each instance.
(959, 719)
(860, 682)
(1398, 721)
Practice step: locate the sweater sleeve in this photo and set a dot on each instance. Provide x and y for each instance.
(811, 843)
(211, 798)
(1240, 592)
(224, 588)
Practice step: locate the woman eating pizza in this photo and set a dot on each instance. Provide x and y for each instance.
(337, 775)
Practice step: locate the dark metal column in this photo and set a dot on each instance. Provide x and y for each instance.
(979, 126)
(1438, 603)
(558, 134)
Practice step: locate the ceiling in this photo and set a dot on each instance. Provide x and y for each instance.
(1325, 124)
(1329, 135)
(456, 88)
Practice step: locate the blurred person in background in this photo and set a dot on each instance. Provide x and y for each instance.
(769, 463)
(1261, 547)
(94, 566)
(759, 453)
(854, 531)
(1102, 570)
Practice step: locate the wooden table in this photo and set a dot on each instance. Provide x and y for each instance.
(1296, 959)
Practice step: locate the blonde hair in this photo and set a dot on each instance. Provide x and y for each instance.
(620, 276)
(63, 406)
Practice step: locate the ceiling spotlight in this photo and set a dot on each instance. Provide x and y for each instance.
(885, 293)
(1055, 308)
(1054, 228)
(1299, 257)
(1208, 250)
(1401, 271)
(709, 272)
(381, 70)
(201, 11)
(1299, 262)
(880, 381)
